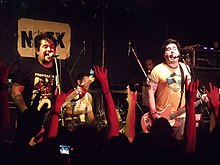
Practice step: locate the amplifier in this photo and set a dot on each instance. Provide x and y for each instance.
(206, 58)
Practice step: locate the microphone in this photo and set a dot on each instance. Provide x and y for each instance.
(129, 47)
(180, 56)
(51, 55)
(84, 47)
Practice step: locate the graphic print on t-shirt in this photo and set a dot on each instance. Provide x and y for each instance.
(174, 82)
(43, 83)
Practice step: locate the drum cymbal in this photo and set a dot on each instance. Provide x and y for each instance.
(123, 92)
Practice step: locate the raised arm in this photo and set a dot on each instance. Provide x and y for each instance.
(190, 124)
(131, 115)
(213, 102)
(110, 110)
(55, 113)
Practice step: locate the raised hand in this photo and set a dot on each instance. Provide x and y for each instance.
(110, 110)
(191, 90)
(213, 97)
(190, 124)
(101, 76)
(132, 96)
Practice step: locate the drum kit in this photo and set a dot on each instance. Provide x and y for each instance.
(101, 121)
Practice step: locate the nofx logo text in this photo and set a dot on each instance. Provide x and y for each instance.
(27, 38)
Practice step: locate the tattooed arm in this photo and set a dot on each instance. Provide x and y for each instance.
(17, 96)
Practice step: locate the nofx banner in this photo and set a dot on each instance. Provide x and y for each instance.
(29, 28)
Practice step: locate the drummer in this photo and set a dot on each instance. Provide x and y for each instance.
(82, 111)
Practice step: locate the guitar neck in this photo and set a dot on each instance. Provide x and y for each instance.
(70, 97)
(178, 113)
(75, 94)
(183, 110)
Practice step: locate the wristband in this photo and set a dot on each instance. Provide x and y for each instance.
(153, 111)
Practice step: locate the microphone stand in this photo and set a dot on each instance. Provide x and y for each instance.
(58, 85)
(57, 76)
(145, 74)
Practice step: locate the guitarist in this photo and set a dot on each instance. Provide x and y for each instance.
(35, 78)
(82, 111)
(166, 84)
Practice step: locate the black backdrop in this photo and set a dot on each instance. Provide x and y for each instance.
(146, 22)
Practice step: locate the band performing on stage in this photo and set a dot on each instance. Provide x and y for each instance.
(57, 111)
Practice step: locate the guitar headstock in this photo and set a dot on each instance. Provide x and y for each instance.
(89, 81)
(81, 90)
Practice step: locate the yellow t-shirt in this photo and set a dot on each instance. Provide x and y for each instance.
(169, 86)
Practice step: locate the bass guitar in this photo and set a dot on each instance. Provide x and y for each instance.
(146, 120)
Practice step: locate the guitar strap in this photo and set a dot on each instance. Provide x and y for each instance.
(182, 84)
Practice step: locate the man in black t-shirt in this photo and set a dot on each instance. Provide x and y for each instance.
(36, 77)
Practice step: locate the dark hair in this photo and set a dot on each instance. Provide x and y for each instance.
(169, 41)
(80, 76)
(149, 58)
(43, 36)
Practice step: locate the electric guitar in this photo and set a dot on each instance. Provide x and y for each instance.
(78, 93)
(146, 120)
